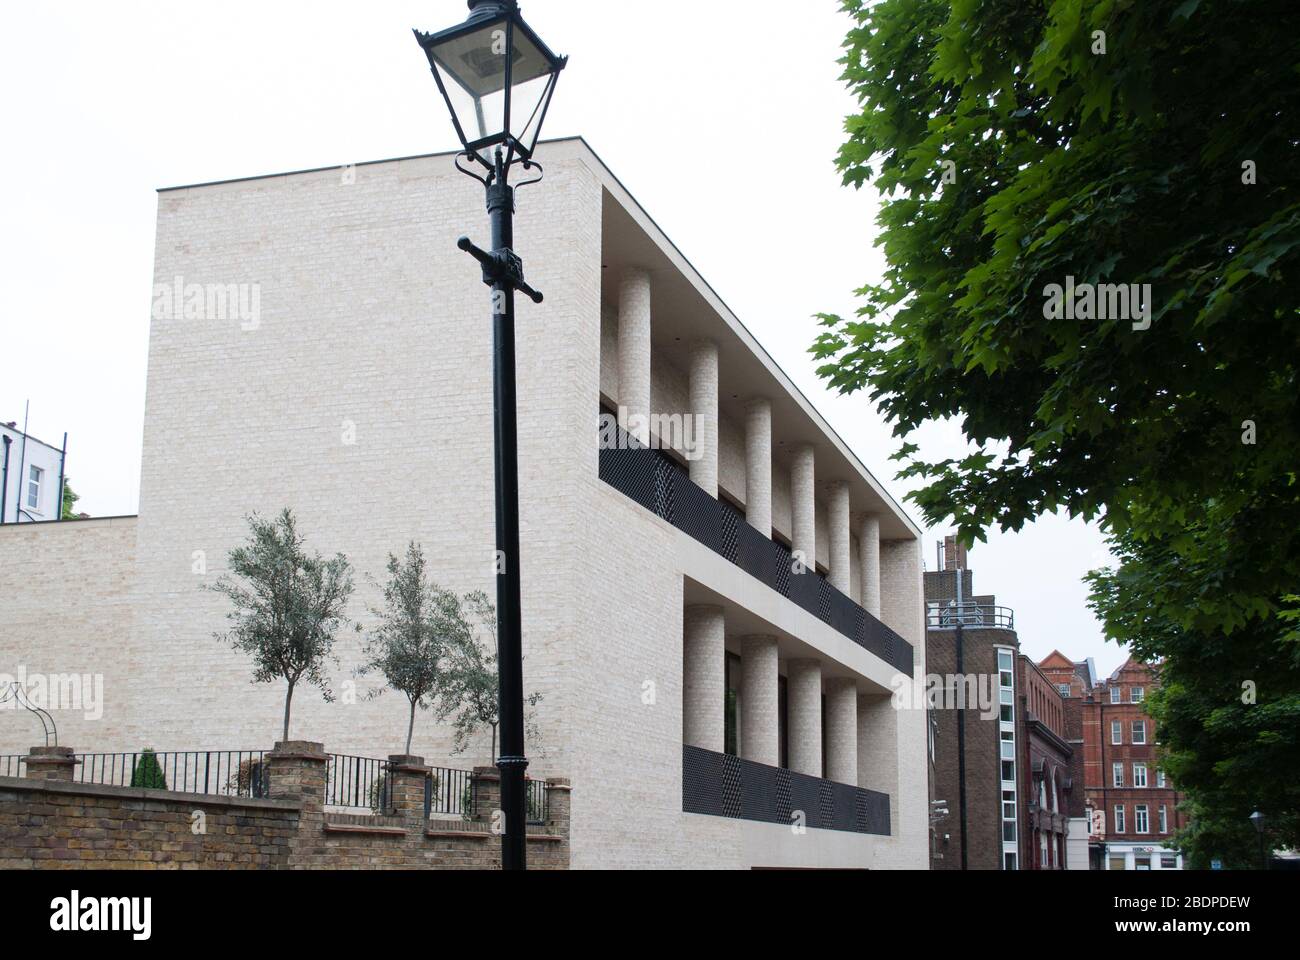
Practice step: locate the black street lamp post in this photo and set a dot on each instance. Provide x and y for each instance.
(498, 77)
(1261, 824)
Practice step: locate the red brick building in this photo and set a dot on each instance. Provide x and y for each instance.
(1129, 804)
(1046, 781)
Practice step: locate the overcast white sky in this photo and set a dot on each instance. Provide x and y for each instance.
(722, 117)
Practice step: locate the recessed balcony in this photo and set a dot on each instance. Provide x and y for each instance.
(653, 480)
(722, 785)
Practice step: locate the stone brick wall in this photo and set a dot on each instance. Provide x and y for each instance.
(67, 612)
(47, 821)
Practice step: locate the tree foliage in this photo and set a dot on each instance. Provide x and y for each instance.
(289, 604)
(470, 701)
(1022, 147)
(420, 629)
(69, 511)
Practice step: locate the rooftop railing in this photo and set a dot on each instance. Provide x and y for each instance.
(653, 480)
(971, 616)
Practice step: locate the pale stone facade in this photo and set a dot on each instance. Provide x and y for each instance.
(362, 399)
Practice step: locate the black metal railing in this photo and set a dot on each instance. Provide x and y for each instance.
(360, 783)
(448, 792)
(974, 615)
(223, 773)
(11, 765)
(721, 785)
(653, 480)
(538, 796)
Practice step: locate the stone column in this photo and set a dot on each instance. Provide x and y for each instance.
(758, 466)
(869, 544)
(760, 735)
(704, 410)
(297, 772)
(902, 594)
(634, 352)
(878, 749)
(485, 791)
(840, 554)
(704, 663)
(842, 730)
(557, 804)
(51, 763)
(407, 776)
(803, 505)
(804, 703)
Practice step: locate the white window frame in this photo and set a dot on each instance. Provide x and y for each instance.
(1141, 819)
(1139, 738)
(1164, 818)
(1137, 694)
(1063, 689)
(1006, 661)
(1119, 818)
(1160, 778)
(1117, 774)
(1116, 733)
(1116, 694)
(1139, 774)
(35, 484)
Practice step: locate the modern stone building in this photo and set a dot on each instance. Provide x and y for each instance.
(1001, 760)
(712, 705)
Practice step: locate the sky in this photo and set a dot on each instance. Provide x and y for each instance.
(722, 118)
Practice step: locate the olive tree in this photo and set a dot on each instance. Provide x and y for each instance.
(420, 627)
(288, 606)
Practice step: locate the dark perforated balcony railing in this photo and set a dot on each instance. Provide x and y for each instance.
(720, 785)
(655, 482)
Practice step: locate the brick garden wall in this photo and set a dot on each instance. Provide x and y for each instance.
(47, 821)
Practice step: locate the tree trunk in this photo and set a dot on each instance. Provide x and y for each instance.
(410, 729)
(288, 700)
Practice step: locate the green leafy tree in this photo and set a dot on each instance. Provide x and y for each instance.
(1023, 149)
(69, 501)
(288, 603)
(147, 772)
(1228, 707)
(420, 626)
(470, 700)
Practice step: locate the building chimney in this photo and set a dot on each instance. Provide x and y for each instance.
(954, 554)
